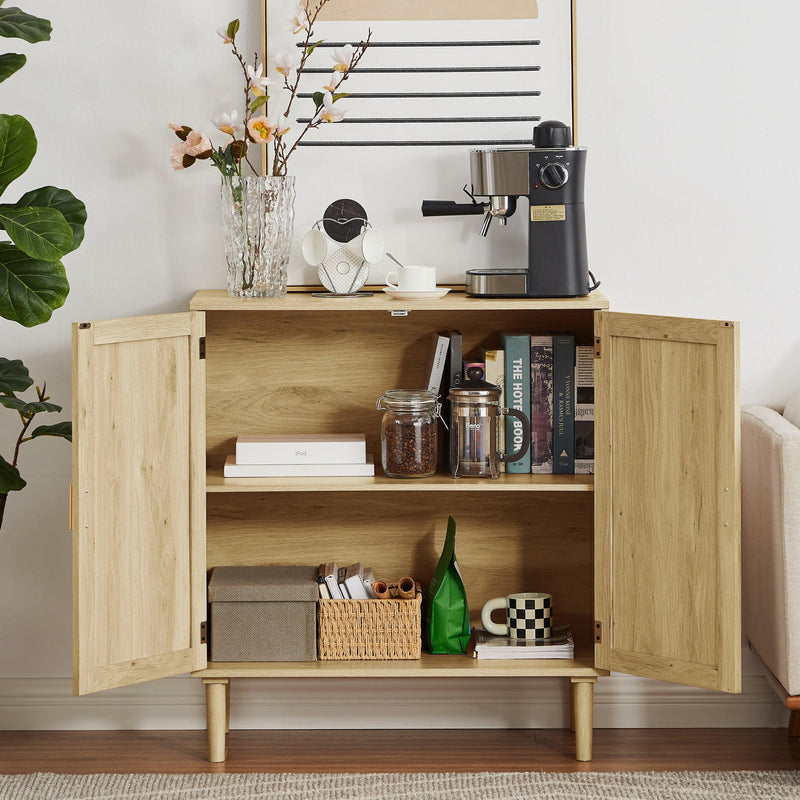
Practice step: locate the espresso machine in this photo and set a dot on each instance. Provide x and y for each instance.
(550, 176)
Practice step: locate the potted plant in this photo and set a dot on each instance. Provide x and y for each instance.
(42, 226)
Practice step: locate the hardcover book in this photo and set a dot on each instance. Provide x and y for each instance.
(584, 410)
(517, 348)
(437, 358)
(563, 404)
(559, 645)
(541, 404)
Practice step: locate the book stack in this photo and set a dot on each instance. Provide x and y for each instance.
(291, 455)
(345, 583)
(559, 645)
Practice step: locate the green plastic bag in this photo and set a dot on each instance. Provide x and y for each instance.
(446, 615)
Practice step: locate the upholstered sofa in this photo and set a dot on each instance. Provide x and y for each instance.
(771, 545)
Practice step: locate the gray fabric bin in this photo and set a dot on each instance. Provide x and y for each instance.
(263, 613)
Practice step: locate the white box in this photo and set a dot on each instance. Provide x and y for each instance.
(233, 469)
(292, 448)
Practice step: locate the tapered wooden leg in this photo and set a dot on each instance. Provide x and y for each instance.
(216, 713)
(794, 724)
(583, 705)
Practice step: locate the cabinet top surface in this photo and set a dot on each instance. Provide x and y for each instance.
(301, 299)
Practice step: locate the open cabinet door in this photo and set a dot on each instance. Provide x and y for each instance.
(138, 513)
(667, 539)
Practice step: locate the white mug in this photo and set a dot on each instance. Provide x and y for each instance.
(412, 279)
(528, 615)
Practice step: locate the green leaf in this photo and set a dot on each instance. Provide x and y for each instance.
(10, 479)
(16, 24)
(10, 63)
(62, 200)
(318, 97)
(39, 232)
(257, 103)
(62, 429)
(14, 376)
(339, 96)
(35, 407)
(314, 46)
(233, 28)
(17, 147)
(30, 289)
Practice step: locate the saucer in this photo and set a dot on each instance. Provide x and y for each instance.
(432, 294)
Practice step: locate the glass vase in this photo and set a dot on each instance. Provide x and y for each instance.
(257, 226)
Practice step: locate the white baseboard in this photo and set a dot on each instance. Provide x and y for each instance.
(621, 701)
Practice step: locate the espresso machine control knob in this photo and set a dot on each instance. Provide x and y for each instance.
(554, 175)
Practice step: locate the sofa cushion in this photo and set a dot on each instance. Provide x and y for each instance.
(792, 410)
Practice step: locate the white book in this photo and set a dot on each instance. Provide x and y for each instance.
(233, 469)
(354, 581)
(438, 354)
(292, 448)
(369, 579)
(342, 585)
(559, 645)
(332, 580)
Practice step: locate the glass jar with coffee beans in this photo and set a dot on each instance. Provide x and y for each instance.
(409, 432)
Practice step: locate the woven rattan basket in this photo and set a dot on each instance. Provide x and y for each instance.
(354, 630)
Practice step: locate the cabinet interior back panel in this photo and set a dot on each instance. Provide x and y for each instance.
(504, 543)
(323, 373)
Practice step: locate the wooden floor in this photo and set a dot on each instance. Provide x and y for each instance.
(398, 751)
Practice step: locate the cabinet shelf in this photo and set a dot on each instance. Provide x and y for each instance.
(451, 666)
(442, 482)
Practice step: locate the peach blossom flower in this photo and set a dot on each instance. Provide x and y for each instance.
(328, 113)
(229, 123)
(286, 63)
(335, 80)
(342, 56)
(260, 129)
(299, 19)
(282, 125)
(198, 145)
(258, 83)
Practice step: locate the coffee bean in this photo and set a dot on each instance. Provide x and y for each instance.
(409, 446)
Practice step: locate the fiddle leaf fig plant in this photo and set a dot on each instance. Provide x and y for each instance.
(41, 226)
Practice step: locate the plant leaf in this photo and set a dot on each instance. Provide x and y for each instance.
(10, 479)
(63, 200)
(39, 232)
(10, 63)
(16, 24)
(313, 47)
(30, 289)
(257, 103)
(233, 28)
(62, 429)
(35, 407)
(318, 97)
(17, 147)
(339, 96)
(14, 376)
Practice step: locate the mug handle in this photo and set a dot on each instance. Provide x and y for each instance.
(389, 280)
(486, 616)
(526, 436)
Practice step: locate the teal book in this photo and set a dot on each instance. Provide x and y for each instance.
(563, 404)
(517, 349)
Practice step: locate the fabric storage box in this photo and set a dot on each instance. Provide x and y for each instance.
(263, 613)
(355, 630)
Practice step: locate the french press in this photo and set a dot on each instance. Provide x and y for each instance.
(474, 412)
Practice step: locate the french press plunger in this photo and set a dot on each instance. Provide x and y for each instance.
(474, 411)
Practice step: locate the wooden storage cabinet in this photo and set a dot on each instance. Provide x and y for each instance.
(642, 559)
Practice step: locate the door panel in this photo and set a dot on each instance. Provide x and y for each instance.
(667, 495)
(139, 499)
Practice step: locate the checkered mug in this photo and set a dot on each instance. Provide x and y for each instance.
(528, 615)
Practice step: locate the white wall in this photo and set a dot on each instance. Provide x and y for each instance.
(689, 113)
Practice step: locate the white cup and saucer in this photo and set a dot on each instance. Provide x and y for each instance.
(413, 283)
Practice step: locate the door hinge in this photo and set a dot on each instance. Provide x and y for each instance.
(598, 632)
(202, 347)
(203, 632)
(597, 350)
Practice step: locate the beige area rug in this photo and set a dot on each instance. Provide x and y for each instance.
(437, 786)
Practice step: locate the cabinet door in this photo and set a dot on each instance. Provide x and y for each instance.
(667, 549)
(138, 499)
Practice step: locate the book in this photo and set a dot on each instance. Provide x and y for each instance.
(560, 644)
(541, 404)
(452, 377)
(340, 576)
(368, 579)
(436, 361)
(331, 572)
(563, 404)
(233, 469)
(324, 591)
(584, 410)
(292, 448)
(353, 580)
(494, 359)
(517, 348)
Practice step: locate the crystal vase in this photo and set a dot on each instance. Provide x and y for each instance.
(257, 225)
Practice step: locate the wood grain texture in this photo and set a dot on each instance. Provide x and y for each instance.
(511, 750)
(667, 490)
(133, 484)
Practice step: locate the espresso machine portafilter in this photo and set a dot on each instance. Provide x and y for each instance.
(550, 175)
